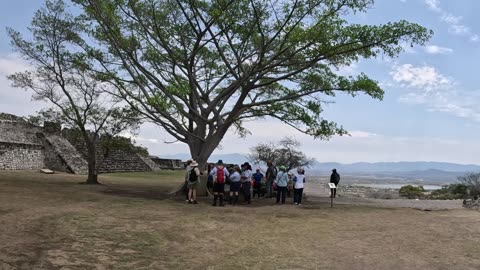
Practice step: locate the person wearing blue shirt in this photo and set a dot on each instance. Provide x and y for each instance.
(257, 183)
(282, 182)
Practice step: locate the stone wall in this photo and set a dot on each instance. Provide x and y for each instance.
(14, 131)
(120, 159)
(25, 146)
(20, 148)
(168, 164)
(21, 156)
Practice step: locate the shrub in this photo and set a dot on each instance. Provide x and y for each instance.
(412, 192)
(472, 181)
(451, 192)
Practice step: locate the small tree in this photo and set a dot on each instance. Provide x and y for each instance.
(286, 152)
(472, 181)
(61, 75)
(412, 192)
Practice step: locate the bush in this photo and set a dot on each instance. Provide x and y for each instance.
(412, 192)
(472, 181)
(451, 192)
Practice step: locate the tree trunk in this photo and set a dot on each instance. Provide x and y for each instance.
(92, 164)
(201, 151)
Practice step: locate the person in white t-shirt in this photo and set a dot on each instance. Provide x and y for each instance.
(246, 181)
(299, 184)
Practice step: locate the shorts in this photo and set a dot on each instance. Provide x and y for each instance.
(235, 187)
(192, 185)
(218, 188)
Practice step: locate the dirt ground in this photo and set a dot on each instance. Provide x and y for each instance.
(52, 222)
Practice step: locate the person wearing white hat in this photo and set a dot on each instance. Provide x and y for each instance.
(193, 179)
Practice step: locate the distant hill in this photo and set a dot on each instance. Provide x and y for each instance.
(364, 167)
(420, 170)
(417, 170)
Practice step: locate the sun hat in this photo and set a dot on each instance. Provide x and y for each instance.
(194, 163)
(220, 162)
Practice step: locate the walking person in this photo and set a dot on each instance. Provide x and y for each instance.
(257, 183)
(220, 174)
(270, 177)
(235, 183)
(334, 178)
(299, 183)
(246, 181)
(282, 182)
(193, 179)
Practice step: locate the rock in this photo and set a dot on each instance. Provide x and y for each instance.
(47, 171)
(471, 204)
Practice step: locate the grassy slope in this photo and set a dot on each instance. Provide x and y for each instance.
(49, 221)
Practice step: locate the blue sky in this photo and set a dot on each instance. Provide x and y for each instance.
(429, 112)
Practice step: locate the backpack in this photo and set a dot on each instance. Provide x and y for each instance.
(192, 177)
(220, 175)
(275, 172)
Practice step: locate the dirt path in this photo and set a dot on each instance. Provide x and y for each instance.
(54, 223)
(394, 203)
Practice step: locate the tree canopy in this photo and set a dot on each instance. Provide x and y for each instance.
(198, 68)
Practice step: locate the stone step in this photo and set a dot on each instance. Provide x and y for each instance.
(68, 153)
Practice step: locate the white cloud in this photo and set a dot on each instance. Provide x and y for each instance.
(14, 100)
(434, 49)
(426, 86)
(455, 25)
(433, 5)
(12, 63)
(418, 77)
(362, 134)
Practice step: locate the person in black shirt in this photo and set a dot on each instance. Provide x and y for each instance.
(334, 178)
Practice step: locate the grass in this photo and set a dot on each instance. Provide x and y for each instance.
(51, 222)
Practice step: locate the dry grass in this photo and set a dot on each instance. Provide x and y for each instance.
(51, 222)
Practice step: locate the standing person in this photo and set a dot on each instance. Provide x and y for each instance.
(299, 183)
(334, 178)
(210, 177)
(193, 179)
(246, 181)
(234, 185)
(271, 175)
(282, 182)
(257, 183)
(220, 174)
(187, 173)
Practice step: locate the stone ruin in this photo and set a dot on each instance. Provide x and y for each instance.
(472, 204)
(24, 146)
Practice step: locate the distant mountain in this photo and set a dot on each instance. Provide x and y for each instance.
(363, 167)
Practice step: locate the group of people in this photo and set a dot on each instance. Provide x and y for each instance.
(241, 180)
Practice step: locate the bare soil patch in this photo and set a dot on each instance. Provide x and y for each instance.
(51, 222)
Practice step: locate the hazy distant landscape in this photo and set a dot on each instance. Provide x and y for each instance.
(434, 173)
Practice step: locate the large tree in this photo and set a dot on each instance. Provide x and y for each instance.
(198, 68)
(61, 75)
(285, 152)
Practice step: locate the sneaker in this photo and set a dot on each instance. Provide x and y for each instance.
(299, 204)
(195, 202)
(296, 203)
(189, 202)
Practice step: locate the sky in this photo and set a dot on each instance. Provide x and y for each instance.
(430, 111)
